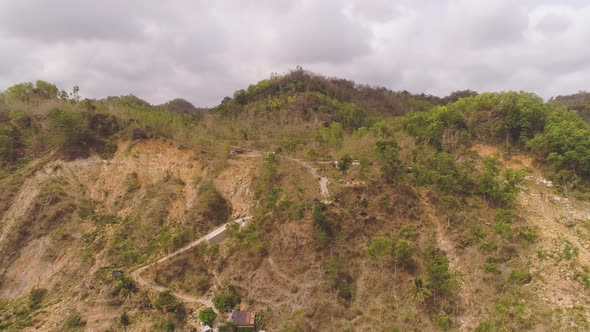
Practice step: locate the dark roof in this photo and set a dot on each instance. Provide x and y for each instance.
(243, 318)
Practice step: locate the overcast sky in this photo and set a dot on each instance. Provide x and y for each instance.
(204, 50)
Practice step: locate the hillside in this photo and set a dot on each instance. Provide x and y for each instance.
(462, 213)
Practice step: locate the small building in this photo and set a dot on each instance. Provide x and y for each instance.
(205, 328)
(243, 319)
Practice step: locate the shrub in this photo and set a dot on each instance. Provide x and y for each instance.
(346, 290)
(492, 268)
(212, 206)
(36, 296)
(132, 182)
(67, 129)
(439, 277)
(569, 250)
(323, 229)
(74, 322)
(380, 249)
(519, 277)
(565, 143)
(403, 253)
(124, 286)
(503, 221)
(391, 165)
(443, 322)
(441, 171)
(499, 188)
(408, 232)
(529, 235)
(124, 320)
(107, 149)
(165, 299)
(344, 163)
(227, 299)
(338, 279)
(207, 316)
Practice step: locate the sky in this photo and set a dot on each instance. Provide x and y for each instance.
(204, 50)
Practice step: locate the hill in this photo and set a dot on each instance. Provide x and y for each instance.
(363, 209)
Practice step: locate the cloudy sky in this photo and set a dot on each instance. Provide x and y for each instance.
(204, 50)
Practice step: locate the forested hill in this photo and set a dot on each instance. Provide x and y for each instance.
(318, 91)
(380, 210)
(579, 102)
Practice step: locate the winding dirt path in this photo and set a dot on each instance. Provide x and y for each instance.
(323, 181)
(467, 318)
(136, 274)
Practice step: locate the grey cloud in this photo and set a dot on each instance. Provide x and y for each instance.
(490, 23)
(376, 10)
(553, 23)
(205, 50)
(321, 33)
(62, 20)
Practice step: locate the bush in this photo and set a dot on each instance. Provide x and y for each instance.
(499, 188)
(403, 253)
(124, 320)
(207, 316)
(165, 299)
(503, 222)
(380, 249)
(107, 149)
(408, 232)
(443, 322)
(124, 286)
(339, 280)
(36, 296)
(519, 277)
(74, 322)
(323, 229)
(439, 277)
(67, 129)
(212, 207)
(441, 171)
(344, 163)
(565, 143)
(391, 165)
(227, 299)
(132, 182)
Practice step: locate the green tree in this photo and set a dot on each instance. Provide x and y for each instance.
(380, 250)
(499, 188)
(20, 92)
(344, 163)
(403, 253)
(442, 171)
(207, 316)
(565, 143)
(45, 89)
(228, 298)
(391, 166)
(440, 280)
(75, 93)
(332, 135)
(323, 230)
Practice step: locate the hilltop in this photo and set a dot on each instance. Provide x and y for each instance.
(365, 209)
